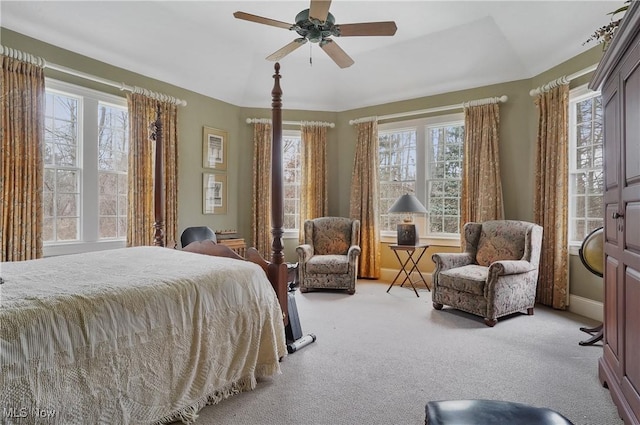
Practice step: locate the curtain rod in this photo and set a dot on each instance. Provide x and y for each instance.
(36, 60)
(562, 80)
(268, 121)
(477, 102)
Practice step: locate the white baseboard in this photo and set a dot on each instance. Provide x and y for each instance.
(586, 307)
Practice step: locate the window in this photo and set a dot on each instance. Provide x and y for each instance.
(586, 174)
(291, 165)
(423, 157)
(444, 173)
(85, 169)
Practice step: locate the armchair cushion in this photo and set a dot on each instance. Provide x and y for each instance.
(328, 264)
(469, 279)
(331, 237)
(499, 240)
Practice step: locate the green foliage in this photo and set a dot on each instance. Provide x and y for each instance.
(604, 34)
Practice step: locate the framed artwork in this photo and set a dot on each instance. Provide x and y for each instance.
(214, 148)
(214, 193)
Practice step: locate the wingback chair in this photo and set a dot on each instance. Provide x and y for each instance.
(329, 257)
(497, 273)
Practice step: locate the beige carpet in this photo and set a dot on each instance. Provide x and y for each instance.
(379, 357)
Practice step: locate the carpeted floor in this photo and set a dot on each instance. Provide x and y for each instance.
(379, 357)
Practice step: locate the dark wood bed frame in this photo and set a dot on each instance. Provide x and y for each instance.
(276, 268)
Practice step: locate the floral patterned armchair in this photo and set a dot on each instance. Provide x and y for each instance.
(496, 275)
(329, 257)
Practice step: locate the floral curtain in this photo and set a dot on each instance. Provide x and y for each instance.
(143, 112)
(481, 184)
(261, 221)
(551, 195)
(21, 208)
(313, 184)
(364, 198)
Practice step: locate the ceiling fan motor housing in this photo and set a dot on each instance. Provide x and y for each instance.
(313, 29)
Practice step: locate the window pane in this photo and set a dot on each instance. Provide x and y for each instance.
(108, 205)
(397, 172)
(113, 149)
(108, 227)
(66, 205)
(586, 184)
(292, 174)
(444, 171)
(67, 181)
(67, 229)
(61, 184)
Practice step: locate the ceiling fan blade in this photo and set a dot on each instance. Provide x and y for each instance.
(262, 20)
(319, 9)
(336, 53)
(279, 54)
(367, 28)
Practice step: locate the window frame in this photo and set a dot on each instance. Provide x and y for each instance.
(422, 126)
(293, 134)
(88, 165)
(576, 95)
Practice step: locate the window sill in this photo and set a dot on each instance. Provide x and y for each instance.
(79, 247)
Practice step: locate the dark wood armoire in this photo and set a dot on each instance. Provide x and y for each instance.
(618, 77)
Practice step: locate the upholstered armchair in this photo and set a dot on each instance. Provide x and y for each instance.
(497, 273)
(329, 257)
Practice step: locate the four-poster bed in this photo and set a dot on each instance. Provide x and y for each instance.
(143, 334)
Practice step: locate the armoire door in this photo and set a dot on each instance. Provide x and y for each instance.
(628, 223)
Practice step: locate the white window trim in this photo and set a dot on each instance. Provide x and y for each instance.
(421, 125)
(576, 95)
(88, 162)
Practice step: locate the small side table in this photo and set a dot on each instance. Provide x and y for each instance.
(409, 265)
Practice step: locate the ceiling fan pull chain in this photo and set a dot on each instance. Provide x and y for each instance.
(310, 54)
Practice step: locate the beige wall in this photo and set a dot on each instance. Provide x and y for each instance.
(517, 143)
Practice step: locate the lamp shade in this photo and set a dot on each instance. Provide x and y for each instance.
(407, 204)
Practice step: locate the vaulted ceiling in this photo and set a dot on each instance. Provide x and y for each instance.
(440, 46)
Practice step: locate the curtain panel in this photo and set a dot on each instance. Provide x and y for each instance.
(481, 183)
(551, 195)
(261, 206)
(140, 213)
(23, 101)
(364, 198)
(313, 184)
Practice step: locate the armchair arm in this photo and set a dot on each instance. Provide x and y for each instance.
(446, 261)
(305, 252)
(354, 252)
(505, 267)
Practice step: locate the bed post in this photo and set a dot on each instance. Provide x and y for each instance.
(277, 269)
(158, 193)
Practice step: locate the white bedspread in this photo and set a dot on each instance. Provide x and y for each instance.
(132, 336)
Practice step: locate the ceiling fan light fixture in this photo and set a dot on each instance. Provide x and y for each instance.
(313, 28)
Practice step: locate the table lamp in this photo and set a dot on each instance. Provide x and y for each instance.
(407, 232)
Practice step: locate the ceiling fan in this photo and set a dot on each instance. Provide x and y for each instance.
(317, 25)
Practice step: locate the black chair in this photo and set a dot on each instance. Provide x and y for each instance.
(490, 412)
(196, 233)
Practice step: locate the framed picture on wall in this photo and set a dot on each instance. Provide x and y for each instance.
(214, 193)
(214, 148)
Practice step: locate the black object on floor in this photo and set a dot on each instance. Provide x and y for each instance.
(293, 330)
(490, 412)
